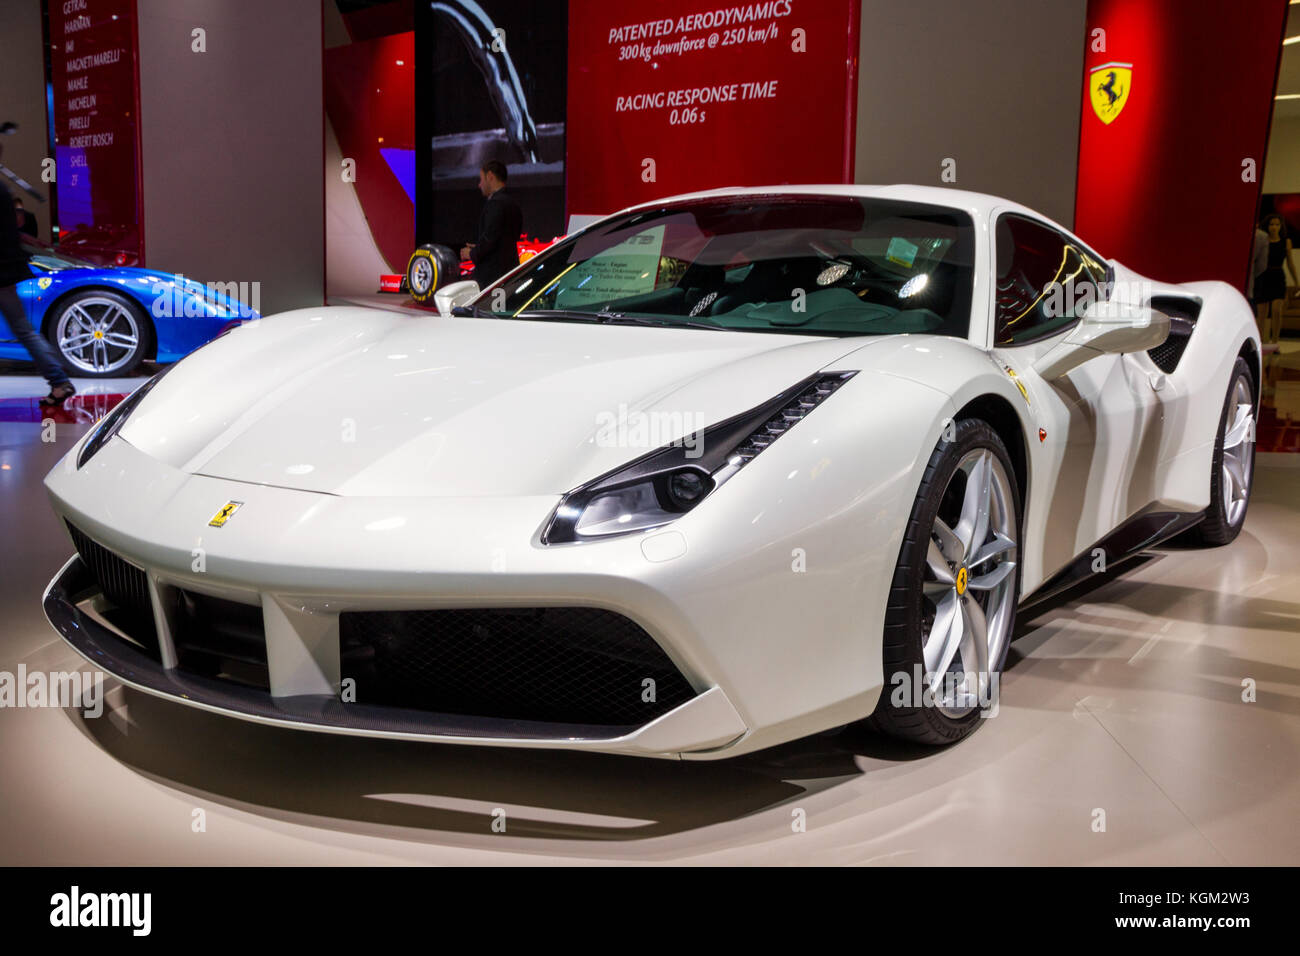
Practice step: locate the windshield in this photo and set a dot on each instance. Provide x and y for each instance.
(804, 265)
(49, 258)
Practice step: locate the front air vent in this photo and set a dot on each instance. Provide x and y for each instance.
(1183, 314)
(124, 586)
(822, 388)
(220, 639)
(567, 665)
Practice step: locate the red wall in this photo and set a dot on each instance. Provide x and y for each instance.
(370, 100)
(802, 134)
(1161, 188)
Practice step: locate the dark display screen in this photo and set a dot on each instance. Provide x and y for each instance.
(93, 92)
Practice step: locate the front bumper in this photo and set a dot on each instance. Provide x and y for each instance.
(769, 656)
(73, 602)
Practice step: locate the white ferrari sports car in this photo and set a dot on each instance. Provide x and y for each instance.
(714, 473)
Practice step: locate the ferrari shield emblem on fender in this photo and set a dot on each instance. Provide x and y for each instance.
(1015, 380)
(1108, 85)
(222, 516)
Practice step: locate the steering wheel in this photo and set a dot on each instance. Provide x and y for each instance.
(1015, 295)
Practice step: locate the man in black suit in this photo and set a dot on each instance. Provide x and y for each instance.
(26, 221)
(499, 226)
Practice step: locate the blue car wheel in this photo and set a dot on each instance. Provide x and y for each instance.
(98, 333)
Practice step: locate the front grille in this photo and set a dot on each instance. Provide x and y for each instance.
(561, 665)
(220, 639)
(564, 665)
(125, 586)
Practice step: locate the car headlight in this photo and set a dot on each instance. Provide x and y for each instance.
(660, 487)
(112, 423)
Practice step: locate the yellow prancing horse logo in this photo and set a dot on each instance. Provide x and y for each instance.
(961, 581)
(1108, 86)
(222, 516)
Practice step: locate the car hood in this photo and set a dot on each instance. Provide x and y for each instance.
(363, 402)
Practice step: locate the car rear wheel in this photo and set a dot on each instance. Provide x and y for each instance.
(953, 598)
(1232, 469)
(99, 333)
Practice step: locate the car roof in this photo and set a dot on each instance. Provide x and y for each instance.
(979, 205)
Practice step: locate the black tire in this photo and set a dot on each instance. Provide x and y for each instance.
(429, 269)
(123, 364)
(904, 615)
(1216, 529)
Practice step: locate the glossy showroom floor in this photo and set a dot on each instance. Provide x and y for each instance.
(1126, 700)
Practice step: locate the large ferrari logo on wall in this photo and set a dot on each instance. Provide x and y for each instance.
(1109, 85)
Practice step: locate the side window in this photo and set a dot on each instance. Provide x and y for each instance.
(1044, 281)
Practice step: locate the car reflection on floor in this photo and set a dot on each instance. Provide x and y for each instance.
(1279, 415)
(21, 392)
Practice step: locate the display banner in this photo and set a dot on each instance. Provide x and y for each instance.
(94, 95)
(684, 95)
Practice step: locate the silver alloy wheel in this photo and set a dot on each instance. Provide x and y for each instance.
(970, 584)
(421, 276)
(97, 334)
(1238, 451)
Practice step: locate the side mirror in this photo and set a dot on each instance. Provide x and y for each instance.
(1105, 328)
(454, 295)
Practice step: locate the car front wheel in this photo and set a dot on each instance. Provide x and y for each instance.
(1232, 469)
(98, 334)
(953, 598)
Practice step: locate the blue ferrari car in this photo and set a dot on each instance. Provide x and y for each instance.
(106, 321)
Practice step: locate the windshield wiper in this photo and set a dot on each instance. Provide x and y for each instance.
(661, 323)
(614, 318)
(572, 315)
